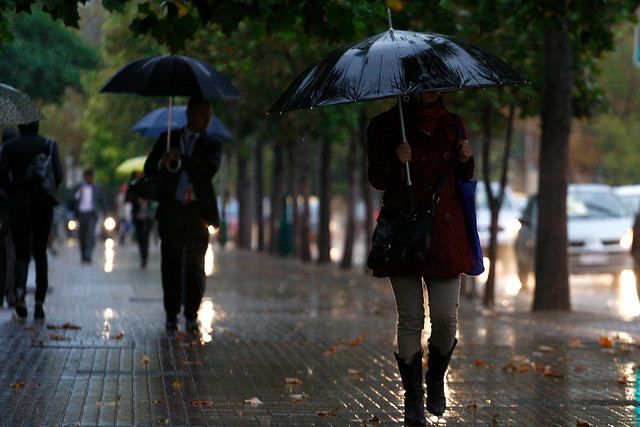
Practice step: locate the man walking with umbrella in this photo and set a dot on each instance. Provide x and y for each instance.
(187, 206)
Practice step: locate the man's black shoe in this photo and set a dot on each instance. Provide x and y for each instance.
(21, 309)
(192, 326)
(39, 311)
(171, 324)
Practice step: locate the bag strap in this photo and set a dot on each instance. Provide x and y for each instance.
(441, 181)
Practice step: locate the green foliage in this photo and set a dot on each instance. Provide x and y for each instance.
(45, 58)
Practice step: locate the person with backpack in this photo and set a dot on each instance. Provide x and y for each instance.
(30, 208)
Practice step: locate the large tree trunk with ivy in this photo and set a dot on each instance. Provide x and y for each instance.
(324, 234)
(552, 276)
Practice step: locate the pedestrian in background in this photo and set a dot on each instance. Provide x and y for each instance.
(30, 211)
(90, 203)
(186, 208)
(142, 216)
(7, 253)
(432, 134)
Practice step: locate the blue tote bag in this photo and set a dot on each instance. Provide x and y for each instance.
(468, 189)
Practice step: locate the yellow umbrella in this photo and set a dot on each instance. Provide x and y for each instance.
(134, 164)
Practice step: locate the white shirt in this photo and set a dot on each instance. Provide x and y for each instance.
(84, 196)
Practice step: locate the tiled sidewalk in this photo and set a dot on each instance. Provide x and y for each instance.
(287, 343)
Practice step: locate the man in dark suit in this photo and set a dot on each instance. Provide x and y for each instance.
(30, 211)
(186, 208)
(89, 203)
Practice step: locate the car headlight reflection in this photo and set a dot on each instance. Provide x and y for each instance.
(627, 239)
(72, 224)
(109, 224)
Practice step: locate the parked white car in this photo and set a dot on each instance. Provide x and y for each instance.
(508, 217)
(631, 196)
(599, 229)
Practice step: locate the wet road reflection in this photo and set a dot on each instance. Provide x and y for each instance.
(109, 255)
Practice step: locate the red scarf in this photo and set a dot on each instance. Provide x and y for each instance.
(427, 116)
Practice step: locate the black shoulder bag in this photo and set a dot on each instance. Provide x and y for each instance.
(400, 240)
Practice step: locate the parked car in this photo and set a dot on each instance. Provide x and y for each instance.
(631, 196)
(599, 231)
(508, 217)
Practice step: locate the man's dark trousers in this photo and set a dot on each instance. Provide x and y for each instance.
(31, 220)
(184, 238)
(87, 233)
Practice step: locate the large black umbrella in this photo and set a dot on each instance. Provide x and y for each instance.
(171, 75)
(394, 63)
(154, 123)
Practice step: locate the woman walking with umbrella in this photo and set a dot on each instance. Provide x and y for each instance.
(432, 134)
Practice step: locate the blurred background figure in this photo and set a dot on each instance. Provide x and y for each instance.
(90, 202)
(7, 253)
(142, 214)
(30, 210)
(123, 213)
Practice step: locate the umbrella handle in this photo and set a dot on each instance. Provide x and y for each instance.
(404, 138)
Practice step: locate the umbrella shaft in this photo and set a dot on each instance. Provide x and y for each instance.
(404, 138)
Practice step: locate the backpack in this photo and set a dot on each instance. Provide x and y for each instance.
(39, 175)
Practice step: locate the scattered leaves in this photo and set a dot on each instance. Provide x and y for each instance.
(64, 326)
(622, 380)
(579, 367)
(372, 420)
(192, 362)
(30, 329)
(159, 401)
(474, 405)
(575, 343)
(479, 363)
(358, 340)
(201, 403)
(582, 423)
(163, 421)
(292, 381)
(327, 413)
(297, 398)
(57, 337)
(549, 373)
(145, 360)
(254, 401)
(177, 384)
(115, 402)
(18, 385)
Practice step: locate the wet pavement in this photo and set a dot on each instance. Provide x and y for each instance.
(286, 343)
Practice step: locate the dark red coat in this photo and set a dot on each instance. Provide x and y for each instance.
(451, 252)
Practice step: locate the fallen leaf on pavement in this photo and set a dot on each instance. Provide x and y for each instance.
(159, 401)
(549, 373)
(579, 368)
(355, 373)
(582, 423)
(358, 340)
(605, 342)
(292, 381)
(18, 385)
(297, 398)
(177, 384)
(373, 420)
(575, 343)
(163, 421)
(201, 403)
(479, 363)
(192, 362)
(30, 329)
(545, 349)
(145, 360)
(327, 413)
(474, 405)
(253, 401)
(622, 380)
(115, 402)
(119, 336)
(57, 337)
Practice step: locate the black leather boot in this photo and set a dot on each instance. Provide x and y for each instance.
(436, 368)
(411, 374)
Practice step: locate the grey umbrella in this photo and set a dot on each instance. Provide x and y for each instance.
(17, 107)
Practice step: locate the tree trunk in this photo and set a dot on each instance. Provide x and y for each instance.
(324, 233)
(367, 193)
(305, 186)
(353, 173)
(259, 193)
(243, 193)
(552, 276)
(293, 180)
(277, 198)
(489, 288)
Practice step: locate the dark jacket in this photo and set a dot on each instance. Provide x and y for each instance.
(201, 166)
(17, 154)
(451, 252)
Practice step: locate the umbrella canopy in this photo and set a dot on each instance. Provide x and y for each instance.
(171, 75)
(134, 164)
(394, 63)
(154, 123)
(17, 108)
